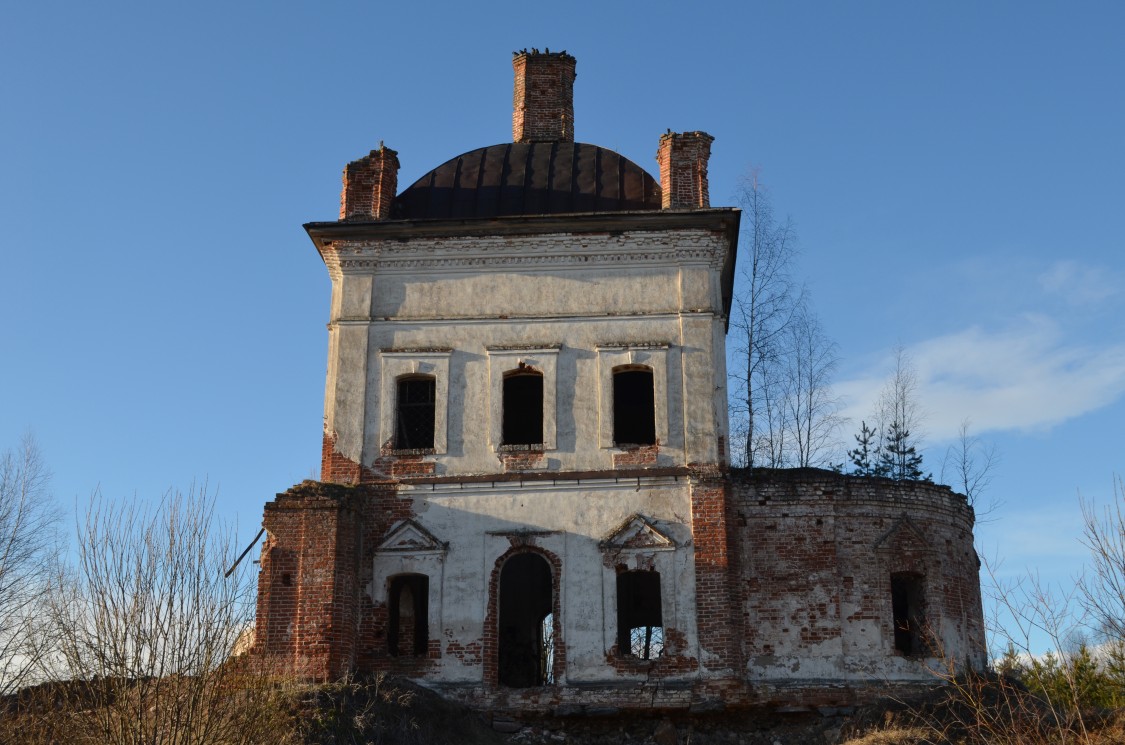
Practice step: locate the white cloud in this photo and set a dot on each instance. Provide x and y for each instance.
(1025, 377)
(1079, 284)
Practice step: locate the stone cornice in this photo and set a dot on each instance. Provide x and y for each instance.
(720, 219)
(684, 246)
(667, 237)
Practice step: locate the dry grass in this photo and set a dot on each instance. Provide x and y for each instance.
(982, 710)
(894, 736)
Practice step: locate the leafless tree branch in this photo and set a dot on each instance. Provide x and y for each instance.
(28, 539)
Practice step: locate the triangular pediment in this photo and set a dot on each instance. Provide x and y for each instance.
(407, 536)
(903, 535)
(639, 532)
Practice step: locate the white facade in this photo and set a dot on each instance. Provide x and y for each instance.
(573, 306)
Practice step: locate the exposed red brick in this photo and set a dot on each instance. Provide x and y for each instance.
(307, 580)
(522, 460)
(637, 456)
(543, 99)
(370, 184)
(683, 161)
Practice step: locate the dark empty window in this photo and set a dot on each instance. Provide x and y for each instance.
(414, 416)
(640, 630)
(527, 640)
(523, 408)
(408, 608)
(634, 410)
(908, 607)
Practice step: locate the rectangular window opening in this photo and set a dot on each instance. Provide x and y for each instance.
(634, 407)
(640, 628)
(414, 415)
(523, 409)
(408, 609)
(908, 608)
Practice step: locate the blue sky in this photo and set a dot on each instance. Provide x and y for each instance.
(954, 171)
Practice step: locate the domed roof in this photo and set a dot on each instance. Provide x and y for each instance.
(529, 178)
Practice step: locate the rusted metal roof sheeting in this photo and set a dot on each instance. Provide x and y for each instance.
(530, 178)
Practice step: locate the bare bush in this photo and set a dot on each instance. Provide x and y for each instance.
(1074, 693)
(147, 622)
(1103, 587)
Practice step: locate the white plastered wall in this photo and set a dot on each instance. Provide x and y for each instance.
(652, 293)
(571, 520)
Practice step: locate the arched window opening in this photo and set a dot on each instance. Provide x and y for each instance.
(526, 649)
(634, 407)
(908, 605)
(640, 626)
(408, 610)
(523, 408)
(414, 413)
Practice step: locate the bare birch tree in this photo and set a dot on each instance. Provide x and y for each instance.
(968, 466)
(813, 412)
(899, 415)
(763, 308)
(770, 445)
(27, 541)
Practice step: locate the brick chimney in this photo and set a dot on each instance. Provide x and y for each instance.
(683, 169)
(543, 104)
(370, 184)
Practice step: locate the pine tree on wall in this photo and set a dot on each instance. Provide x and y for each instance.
(863, 458)
(898, 459)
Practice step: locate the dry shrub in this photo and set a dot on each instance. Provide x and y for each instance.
(246, 710)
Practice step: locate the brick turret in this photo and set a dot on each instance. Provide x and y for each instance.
(683, 169)
(543, 103)
(370, 184)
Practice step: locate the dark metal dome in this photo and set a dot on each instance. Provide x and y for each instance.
(530, 178)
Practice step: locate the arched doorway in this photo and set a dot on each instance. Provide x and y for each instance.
(526, 622)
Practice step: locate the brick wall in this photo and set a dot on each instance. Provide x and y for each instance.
(307, 580)
(792, 585)
(818, 549)
(717, 629)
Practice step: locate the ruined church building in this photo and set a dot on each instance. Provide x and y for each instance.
(525, 498)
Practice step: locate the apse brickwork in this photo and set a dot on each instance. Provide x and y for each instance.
(818, 551)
